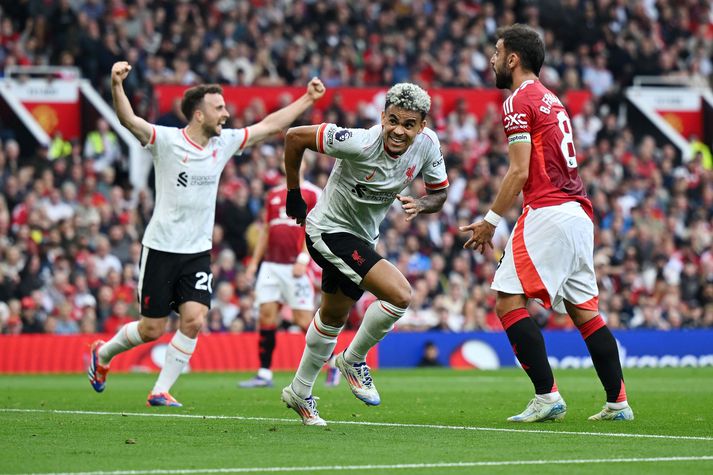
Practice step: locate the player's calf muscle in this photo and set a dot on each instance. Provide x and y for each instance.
(151, 329)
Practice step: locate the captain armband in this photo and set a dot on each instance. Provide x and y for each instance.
(520, 137)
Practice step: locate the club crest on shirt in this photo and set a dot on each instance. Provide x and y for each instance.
(409, 172)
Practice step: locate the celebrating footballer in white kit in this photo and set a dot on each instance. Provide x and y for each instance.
(373, 166)
(175, 261)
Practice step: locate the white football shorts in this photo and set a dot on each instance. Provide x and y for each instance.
(550, 257)
(275, 283)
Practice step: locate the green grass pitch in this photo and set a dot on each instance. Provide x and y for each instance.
(430, 422)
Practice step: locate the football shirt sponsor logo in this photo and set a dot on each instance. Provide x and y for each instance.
(362, 191)
(515, 121)
(359, 190)
(203, 180)
(195, 180)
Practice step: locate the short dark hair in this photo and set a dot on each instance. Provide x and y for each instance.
(526, 43)
(193, 97)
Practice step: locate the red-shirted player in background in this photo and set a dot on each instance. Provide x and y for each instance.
(283, 276)
(549, 255)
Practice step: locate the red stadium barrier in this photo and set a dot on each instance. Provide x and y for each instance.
(215, 352)
(241, 97)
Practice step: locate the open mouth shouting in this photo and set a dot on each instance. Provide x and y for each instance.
(396, 143)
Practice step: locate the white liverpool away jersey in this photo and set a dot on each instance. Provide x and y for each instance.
(187, 177)
(366, 179)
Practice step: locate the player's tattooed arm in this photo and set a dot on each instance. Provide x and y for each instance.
(432, 202)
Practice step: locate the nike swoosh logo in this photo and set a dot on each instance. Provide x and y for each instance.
(369, 177)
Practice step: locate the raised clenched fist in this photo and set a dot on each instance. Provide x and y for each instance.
(119, 71)
(316, 89)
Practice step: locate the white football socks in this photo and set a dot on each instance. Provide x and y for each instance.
(264, 373)
(126, 338)
(549, 398)
(378, 320)
(320, 341)
(178, 353)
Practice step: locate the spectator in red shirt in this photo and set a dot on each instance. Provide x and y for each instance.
(118, 318)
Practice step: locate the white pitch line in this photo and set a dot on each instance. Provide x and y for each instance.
(364, 423)
(336, 468)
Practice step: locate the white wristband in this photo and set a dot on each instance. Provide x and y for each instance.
(302, 258)
(492, 217)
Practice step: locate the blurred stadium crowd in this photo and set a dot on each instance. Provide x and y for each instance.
(70, 225)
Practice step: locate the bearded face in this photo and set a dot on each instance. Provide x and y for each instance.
(215, 115)
(503, 74)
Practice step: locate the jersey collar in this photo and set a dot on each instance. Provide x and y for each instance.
(188, 139)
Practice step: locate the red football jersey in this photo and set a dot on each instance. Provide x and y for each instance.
(286, 238)
(534, 114)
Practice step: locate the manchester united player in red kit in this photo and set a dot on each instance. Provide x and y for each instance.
(549, 256)
(282, 278)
